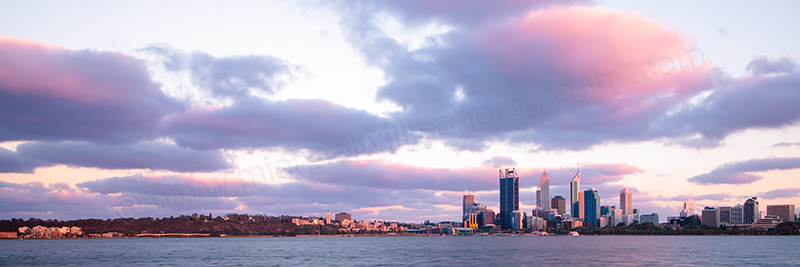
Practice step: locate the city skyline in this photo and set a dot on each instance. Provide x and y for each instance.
(394, 110)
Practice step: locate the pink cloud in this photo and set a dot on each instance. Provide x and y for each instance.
(614, 54)
(32, 68)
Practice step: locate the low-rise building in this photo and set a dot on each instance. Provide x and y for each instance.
(711, 217)
(785, 212)
(649, 218)
(341, 216)
(10, 235)
(769, 221)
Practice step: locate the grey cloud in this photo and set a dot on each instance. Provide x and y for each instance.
(232, 76)
(11, 161)
(785, 144)
(755, 102)
(781, 193)
(88, 95)
(762, 65)
(328, 129)
(499, 161)
(174, 186)
(719, 197)
(378, 174)
(142, 155)
(738, 172)
(463, 13)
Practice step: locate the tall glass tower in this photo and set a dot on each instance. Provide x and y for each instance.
(509, 196)
(751, 210)
(574, 197)
(591, 201)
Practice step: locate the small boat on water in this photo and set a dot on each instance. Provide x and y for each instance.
(573, 233)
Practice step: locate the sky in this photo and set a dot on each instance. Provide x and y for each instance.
(392, 110)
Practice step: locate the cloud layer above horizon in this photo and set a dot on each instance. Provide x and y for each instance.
(549, 75)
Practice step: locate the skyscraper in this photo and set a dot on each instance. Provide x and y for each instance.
(591, 201)
(751, 210)
(509, 196)
(689, 208)
(574, 198)
(559, 203)
(467, 202)
(544, 187)
(626, 201)
(328, 218)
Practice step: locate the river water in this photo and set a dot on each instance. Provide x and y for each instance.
(413, 251)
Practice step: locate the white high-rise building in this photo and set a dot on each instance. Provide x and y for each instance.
(544, 189)
(689, 208)
(574, 197)
(328, 218)
(626, 201)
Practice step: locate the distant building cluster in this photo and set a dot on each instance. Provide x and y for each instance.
(742, 216)
(56, 232)
(584, 209)
(50, 232)
(346, 223)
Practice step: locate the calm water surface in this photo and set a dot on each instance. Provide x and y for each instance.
(416, 251)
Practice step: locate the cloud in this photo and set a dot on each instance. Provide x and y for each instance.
(591, 174)
(719, 197)
(747, 103)
(52, 94)
(142, 155)
(380, 174)
(11, 161)
(173, 186)
(785, 144)
(535, 79)
(499, 161)
(140, 195)
(781, 193)
(106, 104)
(50, 201)
(317, 125)
(603, 77)
(739, 172)
(233, 76)
(452, 12)
(168, 195)
(762, 65)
